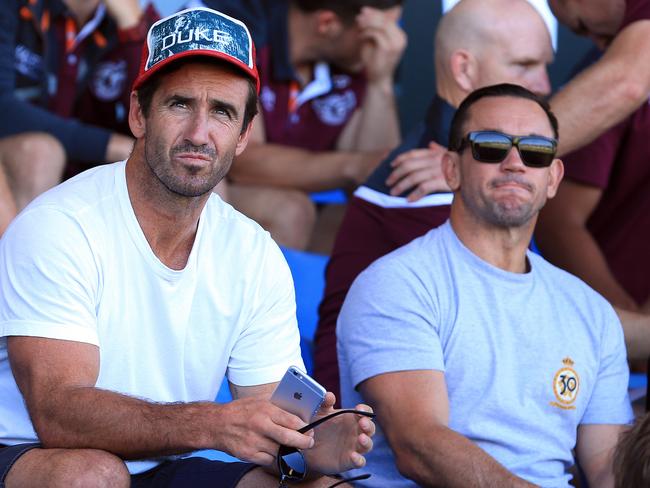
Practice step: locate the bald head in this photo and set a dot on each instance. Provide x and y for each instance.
(484, 42)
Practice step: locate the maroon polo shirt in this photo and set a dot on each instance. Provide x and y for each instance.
(618, 162)
(316, 122)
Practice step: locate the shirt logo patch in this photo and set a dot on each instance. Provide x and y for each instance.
(566, 384)
(28, 63)
(267, 97)
(109, 80)
(336, 108)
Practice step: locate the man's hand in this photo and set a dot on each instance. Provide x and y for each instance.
(384, 43)
(125, 13)
(253, 429)
(418, 170)
(340, 442)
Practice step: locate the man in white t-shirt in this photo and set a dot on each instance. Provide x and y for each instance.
(487, 365)
(128, 292)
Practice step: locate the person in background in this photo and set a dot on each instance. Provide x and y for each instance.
(595, 227)
(66, 71)
(327, 111)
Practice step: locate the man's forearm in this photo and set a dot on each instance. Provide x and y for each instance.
(375, 126)
(574, 249)
(87, 417)
(444, 458)
(279, 165)
(606, 92)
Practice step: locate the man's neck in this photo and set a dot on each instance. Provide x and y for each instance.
(449, 91)
(502, 247)
(169, 222)
(82, 10)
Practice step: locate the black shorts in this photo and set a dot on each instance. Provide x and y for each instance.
(187, 472)
(9, 455)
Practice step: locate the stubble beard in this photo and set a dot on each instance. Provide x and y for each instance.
(187, 185)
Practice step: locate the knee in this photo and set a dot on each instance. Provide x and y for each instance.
(89, 467)
(296, 220)
(39, 152)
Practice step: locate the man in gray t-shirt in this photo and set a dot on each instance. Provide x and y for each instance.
(486, 365)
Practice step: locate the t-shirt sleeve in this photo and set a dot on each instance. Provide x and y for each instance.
(270, 341)
(609, 402)
(593, 163)
(635, 10)
(388, 323)
(48, 279)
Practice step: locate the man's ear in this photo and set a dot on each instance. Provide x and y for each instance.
(464, 69)
(137, 120)
(451, 169)
(328, 24)
(244, 136)
(556, 173)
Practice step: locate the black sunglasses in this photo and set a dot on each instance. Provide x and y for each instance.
(291, 462)
(493, 147)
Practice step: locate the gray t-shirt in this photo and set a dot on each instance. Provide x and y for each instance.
(527, 357)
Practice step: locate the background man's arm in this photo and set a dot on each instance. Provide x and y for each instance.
(286, 166)
(606, 92)
(594, 450)
(57, 379)
(564, 239)
(413, 410)
(375, 125)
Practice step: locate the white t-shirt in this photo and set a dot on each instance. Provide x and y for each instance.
(75, 265)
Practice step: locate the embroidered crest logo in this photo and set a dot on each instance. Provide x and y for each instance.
(109, 80)
(566, 384)
(335, 109)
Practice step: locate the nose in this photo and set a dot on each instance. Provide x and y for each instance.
(198, 129)
(513, 162)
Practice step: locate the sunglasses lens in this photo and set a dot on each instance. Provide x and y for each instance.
(291, 463)
(490, 147)
(536, 152)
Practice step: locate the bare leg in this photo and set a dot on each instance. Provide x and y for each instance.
(7, 203)
(68, 468)
(33, 163)
(327, 226)
(289, 215)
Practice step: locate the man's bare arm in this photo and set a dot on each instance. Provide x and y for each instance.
(57, 379)
(594, 450)
(375, 125)
(564, 239)
(606, 92)
(413, 410)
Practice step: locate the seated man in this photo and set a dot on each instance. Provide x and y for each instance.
(379, 218)
(486, 364)
(128, 292)
(66, 72)
(327, 109)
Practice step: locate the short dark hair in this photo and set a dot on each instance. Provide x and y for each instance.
(632, 456)
(149, 88)
(456, 132)
(345, 9)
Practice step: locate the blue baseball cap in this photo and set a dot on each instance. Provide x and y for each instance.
(197, 32)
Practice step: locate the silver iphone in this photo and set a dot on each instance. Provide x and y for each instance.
(298, 394)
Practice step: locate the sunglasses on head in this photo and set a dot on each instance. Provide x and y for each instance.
(291, 462)
(490, 146)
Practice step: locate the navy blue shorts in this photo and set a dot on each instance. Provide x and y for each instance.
(188, 472)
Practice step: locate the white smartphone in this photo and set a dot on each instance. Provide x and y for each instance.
(298, 394)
